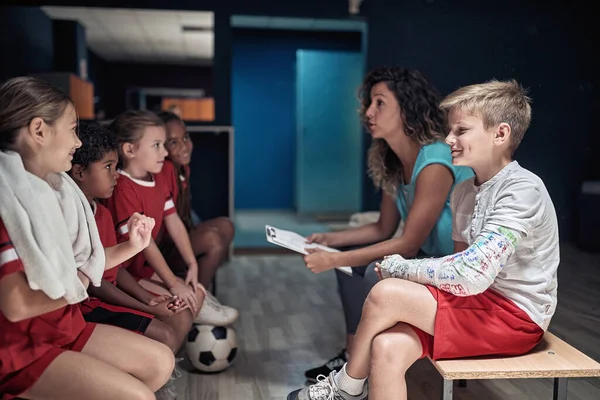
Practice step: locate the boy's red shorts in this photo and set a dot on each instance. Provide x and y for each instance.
(480, 325)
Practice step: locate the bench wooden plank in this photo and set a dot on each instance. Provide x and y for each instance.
(551, 358)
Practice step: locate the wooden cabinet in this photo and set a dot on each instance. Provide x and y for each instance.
(192, 109)
(79, 90)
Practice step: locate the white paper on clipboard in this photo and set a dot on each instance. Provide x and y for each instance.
(293, 241)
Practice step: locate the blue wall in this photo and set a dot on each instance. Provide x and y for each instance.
(263, 111)
(25, 40)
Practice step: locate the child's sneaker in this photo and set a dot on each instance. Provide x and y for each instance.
(168, 391)
(326, 389)
(165, 393)
(214, 313)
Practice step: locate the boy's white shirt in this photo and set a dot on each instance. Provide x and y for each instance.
(510, 225)
(529, 277)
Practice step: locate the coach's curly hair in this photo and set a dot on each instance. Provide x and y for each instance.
(96, 142)
(424, 121)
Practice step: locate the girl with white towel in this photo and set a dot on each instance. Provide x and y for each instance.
(47, 350)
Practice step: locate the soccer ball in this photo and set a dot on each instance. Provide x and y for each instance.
(211, 348)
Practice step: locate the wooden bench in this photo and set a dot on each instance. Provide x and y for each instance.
(551, 358)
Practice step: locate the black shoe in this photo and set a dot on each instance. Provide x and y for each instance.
(335, 364)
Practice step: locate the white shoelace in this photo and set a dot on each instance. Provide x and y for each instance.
(176, 374)
(324, 389)
(212, 302)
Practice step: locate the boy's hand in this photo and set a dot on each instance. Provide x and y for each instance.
(389, 264)
(187, 294)
(140, 231)
(166, 306)
(381, 272)
(83, 278)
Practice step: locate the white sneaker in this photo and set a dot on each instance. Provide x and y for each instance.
(168, 391)
(165, 393)
(214, 313)
(326, 388)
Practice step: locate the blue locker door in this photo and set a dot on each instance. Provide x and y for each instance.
(329, 165)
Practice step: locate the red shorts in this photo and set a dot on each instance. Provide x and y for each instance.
(481, 325)
(14, 384)
(94, 310)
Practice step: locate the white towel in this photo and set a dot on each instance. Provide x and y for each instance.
(52, 228)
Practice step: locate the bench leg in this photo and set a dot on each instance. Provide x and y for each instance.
(560, 389)
(447, 389)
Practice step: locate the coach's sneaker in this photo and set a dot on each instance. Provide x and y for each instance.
(335, 364)
(326, 388)
(214, 313)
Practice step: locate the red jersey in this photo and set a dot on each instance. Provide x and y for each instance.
(108, 237)
(152, 199)
(172, 176)
(26, 341)
(178, 181)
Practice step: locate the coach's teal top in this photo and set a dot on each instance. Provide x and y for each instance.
(439, 242)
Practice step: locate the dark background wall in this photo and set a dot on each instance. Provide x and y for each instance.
(98, 74)
(550, 47)
(70, 47)
(25, 40)
(113, 78)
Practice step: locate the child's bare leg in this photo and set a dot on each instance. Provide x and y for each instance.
(181, 325)
(210, 245)
(389, 302)
(164, 333)
(114, 363)
(223, 226)
(75, 375)
(147, 360)
(393, 352)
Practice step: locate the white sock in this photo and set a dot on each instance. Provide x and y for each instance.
(348, 384)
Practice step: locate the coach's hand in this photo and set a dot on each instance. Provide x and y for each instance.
(319, 238)
(319, 260)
